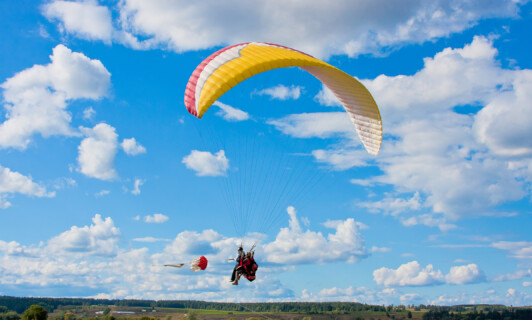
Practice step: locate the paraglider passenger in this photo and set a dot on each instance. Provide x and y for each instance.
(237, 268)
(250, 266)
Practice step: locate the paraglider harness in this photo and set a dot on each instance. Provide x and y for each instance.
(247, 265)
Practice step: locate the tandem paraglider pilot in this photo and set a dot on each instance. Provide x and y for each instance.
(238, 259)
(245, 266)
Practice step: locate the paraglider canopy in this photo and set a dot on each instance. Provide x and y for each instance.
(229, 66)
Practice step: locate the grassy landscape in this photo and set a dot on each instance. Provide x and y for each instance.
(15, 308)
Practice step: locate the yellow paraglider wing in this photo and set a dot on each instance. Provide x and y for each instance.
(229, 66)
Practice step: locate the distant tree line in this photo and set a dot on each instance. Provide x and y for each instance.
(11, 307)
(20, 304)
(505, 314)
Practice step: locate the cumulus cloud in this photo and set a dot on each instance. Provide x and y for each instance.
(453, 77)
(470, 273)
(409, 274)
(412, 274)
(206, 163)
(15, 249)
(90, 258)
(510, 109)
(156, 218)
(97, 152)
(132, 147)
(281, 92)
(15, 182)
(136, 186)
(207, 242)
(305, 246)
(86, 20)
(229, 113)
(36, 99)
(445, 156)
(348, 27)
(100, 238)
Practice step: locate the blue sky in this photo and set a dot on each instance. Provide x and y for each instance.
(105, 177)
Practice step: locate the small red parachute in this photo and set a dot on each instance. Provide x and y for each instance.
(197, 264)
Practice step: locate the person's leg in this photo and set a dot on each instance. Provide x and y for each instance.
(233, 276)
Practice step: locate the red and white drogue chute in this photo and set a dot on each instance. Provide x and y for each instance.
(196, 265)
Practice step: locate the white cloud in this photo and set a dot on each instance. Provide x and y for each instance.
(320, 124)
(86, 20)
(326, 98)
(470, 273)
(88, 113)
(510, 109)
(207, 242)
(409, 274)
(504, 297)
(281, 92)
(229, 113)
(342, 158)
(36, 98)
(102, 193)
(527, 284)
(132, 147)
(14, 248)
(412, 274)
(518, 249)
(206, 163)
(428, 220)
(371, 296)
(156, 218)
(97, 152)
(15, 182)
(100, 238)
(300, 247)
(399, 207)
(348, 27)
(517, 275)
(380, 249)
(90, 258)
(453, 77)
(448, 157)
(136, 187)
(394, 206)
(150, 239)
(362, 182)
